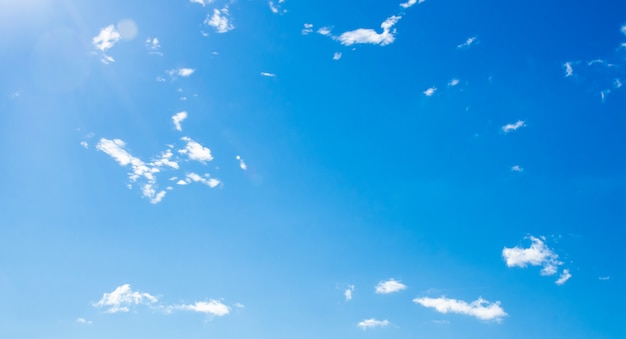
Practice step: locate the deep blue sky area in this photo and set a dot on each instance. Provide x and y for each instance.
(312, 169)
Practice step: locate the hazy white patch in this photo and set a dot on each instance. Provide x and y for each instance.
(623, 29)
(84, 321)
(276, 7)
(201, 2)
(212, 307)
(565, 276)
(220, 20)
(604, 94)
(242, 163)
(324, 31)
(517, 168)
(569, 70)
(122, 297)
(604, 278)
(453, 82)
(153, 46)
(195, 151)
(512, 127)
(84, 144)
(370, 36)
(211, 182)
(617, 83)
(372, 323)
(390, 286)
(411, 3)
(480, 308)
(178, 118)
(239, 305)
(308, 28)
(127, 29)
(266, 74)
(441, 322)
(348, 292)
(468, 43)
(185, 72)
(429, 92)
(160, 79)
(337, 56)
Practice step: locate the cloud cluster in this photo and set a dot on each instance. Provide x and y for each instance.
(480, 308)
(372, 323)
(220, 20)
(276, 7)
(106, 39)
(370, 36)
(538, 254)
(390, 286)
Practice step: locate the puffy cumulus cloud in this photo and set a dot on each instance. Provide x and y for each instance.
(565, 276)
(211, 307)
(220, 20)
(372, 323)
(196, 151)
(107, 38)
(480, 308)
(538, 254)
(390, 286)
(513, 127)
(468, 43)
(370, 36)
(178, 118)
(348, 292)
(122, 298)
(430, 91)
(337, 56)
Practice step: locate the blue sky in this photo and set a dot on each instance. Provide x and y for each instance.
(320, 169)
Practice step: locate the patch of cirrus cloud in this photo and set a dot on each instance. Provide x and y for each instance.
(124, 298)
(537, 254)
(601, 75)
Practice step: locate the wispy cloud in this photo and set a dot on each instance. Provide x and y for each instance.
(370, 36)
(348, 292)
(538, 254)
(390, 286)
(453, 82)
(324, 31)
(468, 43)
(242, 164)
(372, 323)
(178, 118)
(275, 7)
(201, 2)
(308, 28)
(266, 74)
(513, 127)
(480, 308)
(211, 307)
(153, 46)
(565, 276)
(429, 92)
(196, 151)
(84, 321)
(337, 56)
(411, 3)
(184, 72)
(211, 182)
(220, 20)
(517, 168)
(604, 278)
(84, 144)
(569, 70)
(122, 298)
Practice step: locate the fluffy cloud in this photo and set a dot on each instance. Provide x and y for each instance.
(308, 28)
(370, 36)
(337, 56)
(372, 323)
(276, 7)
(569, 70)
(480, 308)
(538, 254)
(348, 292)
(453, 82)
(324, 31)
(512, 127)
(84, 321)
(242, 164)
(411, 3)
(178, 118)
(122, 297)
(389, 286)
(212, 307)
(211, 182)
(153, 46)
(429, 92)
(220, 20)
(195, 151)
(565, 275)
(468, 43)
(107, 38)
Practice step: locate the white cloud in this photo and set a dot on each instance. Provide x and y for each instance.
(242, 164)
(308, 28)
(266, 74)
(617, 83)
(84, 144)
(211, 182)
(468, 43)
(212, 307)
(276, 7)
(122, 297)
(538, 254)
(337, 56)
(604, 94)
(324, 31)
(107, 38)
(623, 29)
(372, 323)
(201, 2)
(411, 3)
(517, 168)
(604, 278)
(512, 127)
(153, 46)
(348, 292)
(220, 20)
(178, 118)
(429, 92)
(195, 151)
(453, 82)
(370, 36)
(569, 70)
(84, 321)
(565, 275)
(480, 308)
(185, 72)
(165, 160)
(389, 286)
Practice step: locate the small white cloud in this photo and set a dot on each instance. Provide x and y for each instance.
(266, 74)
(569, 70)
(211, 182)
(324, 31)
(604, 278)
(308, 28)
(429, 92)
(411, 3)
(623, 29)
(512, 127)
(390, 286)
(107, 38)
(185, 72)
(220, 20)
(538, 254)
(201, 2)
(370, 36)
(565, 276)
(348, 292)
(84, 321)
(337, 56)
(153, 46)
(196, 151)
(617, 83)
(178, 118)
(276, 7)
(517, 168)
(242, 163)
(122, 297)
(604, 94)
(181, 182)
(212, 307)
(164, 160)
(480, 308)
(84, 144)
(372, 323)
(453, 82)
(468, 43)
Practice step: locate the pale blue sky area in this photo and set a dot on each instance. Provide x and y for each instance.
(312, 169)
